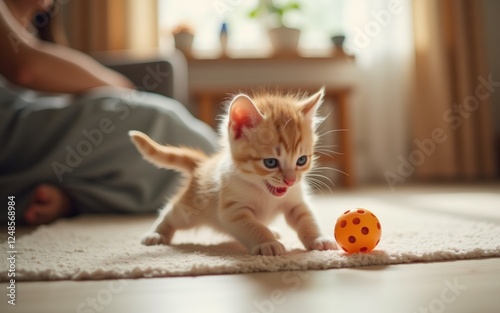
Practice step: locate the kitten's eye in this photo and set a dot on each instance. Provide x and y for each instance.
(271, 163)
(302, 160)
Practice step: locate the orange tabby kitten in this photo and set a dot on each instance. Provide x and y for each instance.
(267, 147)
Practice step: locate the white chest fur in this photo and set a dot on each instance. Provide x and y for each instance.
(265, 206)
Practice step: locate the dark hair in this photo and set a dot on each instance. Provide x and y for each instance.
(48, 25)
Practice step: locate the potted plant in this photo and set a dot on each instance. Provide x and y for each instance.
(284, 39)
(183, 37)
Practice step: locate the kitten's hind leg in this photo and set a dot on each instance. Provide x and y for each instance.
(172, 218)
(161, 232)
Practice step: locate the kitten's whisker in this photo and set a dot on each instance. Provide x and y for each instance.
(326, 146)
(325, 154)
(320, 154)
(332, 131)
(329, 153)
(317, 145)
(322, 176)
(319, 183)
(310, 181)
(318, 175)
(313, 183)
(326, 151)
(335, 130)
(331, 169)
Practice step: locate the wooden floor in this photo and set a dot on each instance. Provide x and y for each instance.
(460, 286)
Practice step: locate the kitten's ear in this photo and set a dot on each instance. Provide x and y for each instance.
(309, 106)
(243, 113)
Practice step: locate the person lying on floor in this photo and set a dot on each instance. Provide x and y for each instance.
(64, 120)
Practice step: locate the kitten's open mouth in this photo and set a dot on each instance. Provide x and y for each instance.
(276, 191)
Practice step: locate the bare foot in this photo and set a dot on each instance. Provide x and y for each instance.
(47, 204)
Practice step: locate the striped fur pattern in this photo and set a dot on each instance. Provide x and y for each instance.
(267, 146)
(182, 159)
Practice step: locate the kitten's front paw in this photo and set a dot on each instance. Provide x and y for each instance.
(321, 244)
(154, 238)
(269, 248)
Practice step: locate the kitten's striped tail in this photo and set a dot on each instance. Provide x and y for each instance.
(181, 159)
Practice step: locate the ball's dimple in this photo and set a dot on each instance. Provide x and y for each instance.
(357, 230)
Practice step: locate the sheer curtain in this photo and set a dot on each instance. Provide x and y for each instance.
(380, 34)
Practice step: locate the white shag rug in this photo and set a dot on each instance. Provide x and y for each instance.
(106, 247)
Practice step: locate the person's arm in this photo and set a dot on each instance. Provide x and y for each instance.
(31, 63)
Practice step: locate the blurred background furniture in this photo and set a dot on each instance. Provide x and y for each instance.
(165, 74)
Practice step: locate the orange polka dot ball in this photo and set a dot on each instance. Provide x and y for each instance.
(357, 231)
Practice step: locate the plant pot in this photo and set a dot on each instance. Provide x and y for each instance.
(338, 41)
(184, 42)
(284, 40)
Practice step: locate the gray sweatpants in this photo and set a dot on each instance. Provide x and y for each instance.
(81, 145)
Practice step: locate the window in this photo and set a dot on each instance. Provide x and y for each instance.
(318, 20)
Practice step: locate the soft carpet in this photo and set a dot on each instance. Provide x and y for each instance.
(101, 247)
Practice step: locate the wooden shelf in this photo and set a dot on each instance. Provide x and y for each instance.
(336, 56)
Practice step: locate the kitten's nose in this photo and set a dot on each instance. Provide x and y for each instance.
(289, 182)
